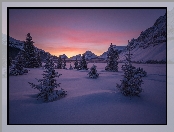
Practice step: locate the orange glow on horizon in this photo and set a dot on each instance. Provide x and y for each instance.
(70, 51)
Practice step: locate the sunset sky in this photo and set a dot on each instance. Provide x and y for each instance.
(74, 31)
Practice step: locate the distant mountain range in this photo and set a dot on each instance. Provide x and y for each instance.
(16, 45)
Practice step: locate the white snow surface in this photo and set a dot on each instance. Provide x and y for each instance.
(157, 52)
(90, 101)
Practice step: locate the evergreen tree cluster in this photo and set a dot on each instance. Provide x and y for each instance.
(31, 55)
(70, 67)
(61, 63)
(131, 83)
(112, 59)
(17, 68)
(76, 64)
(82, 63)
(155, 62)
(48, 84)
(49, 62)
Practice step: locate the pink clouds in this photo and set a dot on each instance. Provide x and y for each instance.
(63, 40)
(73, 31)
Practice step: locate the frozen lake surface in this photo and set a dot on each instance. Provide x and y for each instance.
(90, 101)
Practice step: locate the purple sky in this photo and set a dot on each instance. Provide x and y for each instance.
(74, 31)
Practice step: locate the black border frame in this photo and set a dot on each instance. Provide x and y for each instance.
(8, 8)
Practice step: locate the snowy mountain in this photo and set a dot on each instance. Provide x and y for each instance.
(16, 43)
(64, 56)
(150, 45)
(89, 55)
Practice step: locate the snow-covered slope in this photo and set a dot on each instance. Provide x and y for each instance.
(151, 44)
(16, 43)
(151, 53)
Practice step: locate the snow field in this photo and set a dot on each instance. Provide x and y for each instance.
(90, 101)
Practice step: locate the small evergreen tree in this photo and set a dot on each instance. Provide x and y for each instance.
(76, 64)
(141, 72)
(31, 54)
(131, 83)
(18, 67)
(63, 63)
(49, 62)
(83, 63)
(70, 67)
(59, 63)
(48, 84)
(39, 59)
(93, 72)
(112, 58)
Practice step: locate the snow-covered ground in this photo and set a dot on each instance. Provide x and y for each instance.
(90, 101)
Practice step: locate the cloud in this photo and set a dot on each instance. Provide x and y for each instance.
(72, 41)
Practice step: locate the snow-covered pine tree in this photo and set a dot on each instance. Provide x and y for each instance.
(70, 67)
(59, 63)
(93, 72)
(49, 62)
(83, 63)
(112, 58)
(39, 58)
(141, 72)
(76, 64)
(63, 63)
(131, 83)
(48, 84)
(31, 54)
(18, 67)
